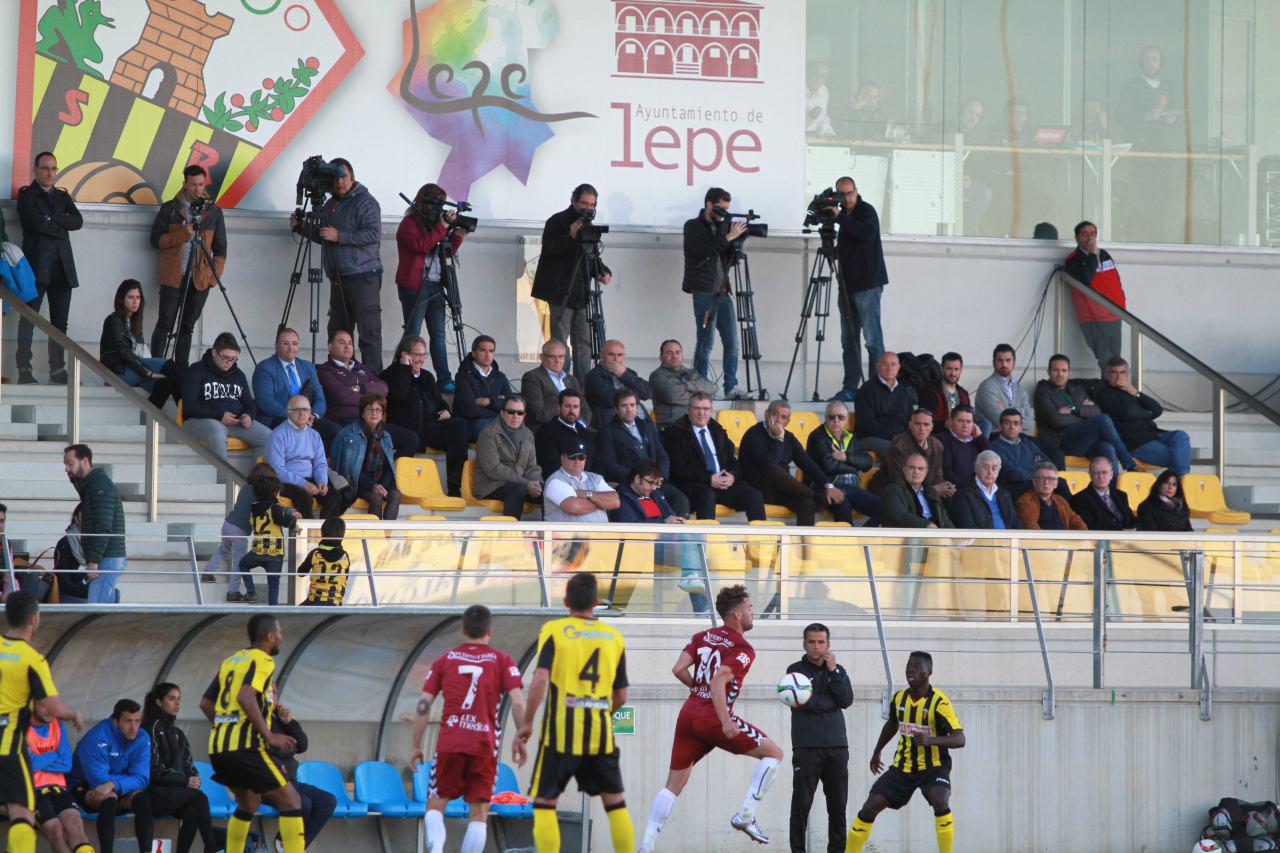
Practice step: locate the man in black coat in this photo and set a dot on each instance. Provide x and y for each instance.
(768, 451)
(862, 276)
(883, 406)
(1134, 414)
(1102, 507)
(977, 501)
(706, 277)
(610, 376)
(547, 440)
(560, 280)
(48, 216)
(704, 465)
(627, 437)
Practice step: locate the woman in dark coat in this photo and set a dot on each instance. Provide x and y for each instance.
(123, 350)
(1165, 509)
(175, 784)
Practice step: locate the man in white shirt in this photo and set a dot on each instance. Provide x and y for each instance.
(573, 493)
(1001, 391)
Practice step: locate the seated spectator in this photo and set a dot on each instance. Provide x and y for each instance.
(296, 452)
(626, 438)
(49, 751)
(110, 772)
(942, 396)
(1001, 391)
(610, 376)
(283, 376)
(1019, 455)
(415, 403)
(1071, 423)
(541, 386)
(1165, 509)
(673, 384)
(1100, 506)
(269, 519)
(1134, 415)
(69, 561)
(767, 454)
(327, 566)
(704, 465)
(882, 406)
(318, 805)
(640, 501)
(981, 504)
(346, 380)
(123, 350)
(216, 402)
(918, 437)
(573, 493)
(909, 501)
(961, 444)
(1041, 508)
(568, 422)
(833, 449)
(234, 540)
(506, 466)
(481, 388)
(175, 784)
(364, 456)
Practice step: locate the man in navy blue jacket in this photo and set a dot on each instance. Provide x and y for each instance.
(627, 437)
(480, 388)
(767, 454)
(882, 407)
(110, 772)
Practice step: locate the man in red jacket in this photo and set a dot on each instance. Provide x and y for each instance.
(1094, 267)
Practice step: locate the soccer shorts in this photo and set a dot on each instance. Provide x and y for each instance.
(248, 770)
(697, 736)
(897, 787)
(595, 774)
(52, 801)
(15, 779)
(457, 774)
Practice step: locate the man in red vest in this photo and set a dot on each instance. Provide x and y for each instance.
(55, 808)
(1094, 267)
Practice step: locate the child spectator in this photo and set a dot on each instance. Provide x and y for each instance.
(235, 540)
(328, 566)
(268, 520)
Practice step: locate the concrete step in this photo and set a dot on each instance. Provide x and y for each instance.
(18, 432)
(93, 432)
(90, 413)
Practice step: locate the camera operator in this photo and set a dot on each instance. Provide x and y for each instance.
(559, 280)
(707, 256)
(349, 230)
(862, 276)
(418, 272)
(176, 222)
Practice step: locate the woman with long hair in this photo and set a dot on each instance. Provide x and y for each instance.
(175, 784)
(1165, 509)
(123, 349)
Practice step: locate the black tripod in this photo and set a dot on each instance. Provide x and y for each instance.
(744, 302)
(443, 254)
(196, 249)
(590, 268)
(308, 222)
(817, 304)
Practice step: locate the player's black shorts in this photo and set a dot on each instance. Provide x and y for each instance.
(596, 774)
(248, 770)
(52, 801)
(15, 779)
(897, 787)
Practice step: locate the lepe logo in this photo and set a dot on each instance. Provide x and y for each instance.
(706, 40)
(465, 80)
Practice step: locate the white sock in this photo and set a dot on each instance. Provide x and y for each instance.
(663, 803)
(473, 841)
(761, 779)
(435, 831)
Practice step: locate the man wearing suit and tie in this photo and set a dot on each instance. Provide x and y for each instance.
(704, 463)
(284, 375)
(1102, 507)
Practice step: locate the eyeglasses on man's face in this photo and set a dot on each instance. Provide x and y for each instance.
(514, 412)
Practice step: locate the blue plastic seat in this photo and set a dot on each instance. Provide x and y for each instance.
(379, 787)
(221, 803)
(507, 781)
(326, 777)
(265, 809)
(422, 781)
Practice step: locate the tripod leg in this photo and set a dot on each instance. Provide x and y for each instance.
(823, 311)
(810, 300)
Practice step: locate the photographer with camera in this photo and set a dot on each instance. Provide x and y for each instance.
(707, 257)
(418, 279)
(176, 223)
(862, 276)
(349, 228)
(562, 276)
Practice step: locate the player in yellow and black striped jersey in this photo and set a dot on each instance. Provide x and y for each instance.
(582, 671)
(239, 703)
(24, 681)
(928, 729)
(328, 565)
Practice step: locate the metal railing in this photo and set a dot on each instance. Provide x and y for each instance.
(79, 358)
(1142, 330)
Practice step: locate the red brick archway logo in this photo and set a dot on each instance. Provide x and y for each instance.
(704, 40)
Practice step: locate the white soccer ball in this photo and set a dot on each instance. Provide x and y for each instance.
(1207, 845)
(794, 689)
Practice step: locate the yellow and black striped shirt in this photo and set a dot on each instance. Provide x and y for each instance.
(587, 662)
(231, 727)
(24, 678)
(267, 521)
(328, 566)
(933, 711)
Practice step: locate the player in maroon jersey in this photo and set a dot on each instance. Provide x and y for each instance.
(713, 666)
(472, 679)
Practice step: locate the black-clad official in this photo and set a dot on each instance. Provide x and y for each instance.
(819, 746)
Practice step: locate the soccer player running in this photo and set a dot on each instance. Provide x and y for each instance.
(472, 679)
(928, 728)
(713, 666)
(582, 671)
(240, 703)
(25, 682)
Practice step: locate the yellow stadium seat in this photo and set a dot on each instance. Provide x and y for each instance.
(723, 511)
(469, 495)
(1206, 500)
(233, 443)
(802, 423)
(776, 511)
(865, 477)
(360, 503)
(736, 422)
(1075, 480)
(359, 516)
(1136, 485)
(419, 481)
(498, 518)
(1081, 462)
